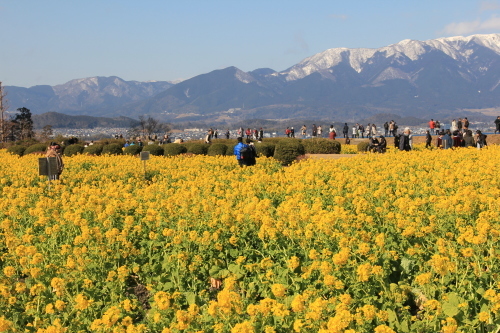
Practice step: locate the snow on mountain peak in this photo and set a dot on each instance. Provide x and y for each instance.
(455, 47)
(243, 77)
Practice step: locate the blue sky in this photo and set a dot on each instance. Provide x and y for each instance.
(54, 41)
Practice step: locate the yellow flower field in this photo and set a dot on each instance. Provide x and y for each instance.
(398, 242)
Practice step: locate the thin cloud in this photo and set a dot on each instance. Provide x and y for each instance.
(338, 17)
(469, 27)
(300, 46)
(487, 6)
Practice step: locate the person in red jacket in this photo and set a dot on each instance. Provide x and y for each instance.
(432, 125)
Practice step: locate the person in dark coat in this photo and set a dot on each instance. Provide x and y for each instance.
(252, 160)
(480, 139)
(468, 139)
(497, 125)
(405, 140)
(428, 139)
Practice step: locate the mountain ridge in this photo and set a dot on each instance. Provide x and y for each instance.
(410, 78)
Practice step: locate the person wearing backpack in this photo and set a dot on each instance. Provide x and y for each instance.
(238, 151)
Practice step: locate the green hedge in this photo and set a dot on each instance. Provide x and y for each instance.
(36, 148)
(265, 149)
(132, 150)
(174, 149)
(218, 149)
(197, 148)
(73, 150)
(112, 149)
(155, 150)
(362, 146)
(288, 150)
(93, 150)
(321, 146)
(16, 150)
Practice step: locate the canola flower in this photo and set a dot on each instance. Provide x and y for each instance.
(399, 242)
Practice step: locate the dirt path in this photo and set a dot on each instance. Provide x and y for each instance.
(329, 156)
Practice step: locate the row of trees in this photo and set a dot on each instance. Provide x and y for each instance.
(20, 127)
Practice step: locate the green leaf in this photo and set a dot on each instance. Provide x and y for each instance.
(236, 270)
(393, 318)
(453, 299)
(407, 264)
(450, 310)
(214, 271)
(404, 327)
(190, 297)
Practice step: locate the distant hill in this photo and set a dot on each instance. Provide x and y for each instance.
(92, 96)
(59, 120)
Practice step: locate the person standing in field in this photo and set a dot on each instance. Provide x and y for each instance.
(405, 140)
(480, 139)
(428, 139)
(320, 131)
(345, 130)
(314, 131)
(497, 125)
(252, 157)
(468, 139)
(386, 128)
(447, 140)
(54, 150)
(237, 151)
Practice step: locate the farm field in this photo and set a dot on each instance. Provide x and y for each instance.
(395, 242)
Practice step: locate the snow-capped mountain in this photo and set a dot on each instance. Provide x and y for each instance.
(460, 49)
(411, 77)
(440, 77)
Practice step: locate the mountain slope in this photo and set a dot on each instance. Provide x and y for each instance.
(406, 78)
(92, 95)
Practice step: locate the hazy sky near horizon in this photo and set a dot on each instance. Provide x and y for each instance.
(54, 41)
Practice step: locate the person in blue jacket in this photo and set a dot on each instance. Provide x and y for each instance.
(237, 151)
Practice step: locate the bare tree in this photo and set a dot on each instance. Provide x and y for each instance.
(47, 132)
(147, 126)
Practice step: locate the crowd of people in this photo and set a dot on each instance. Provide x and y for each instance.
(357, 131)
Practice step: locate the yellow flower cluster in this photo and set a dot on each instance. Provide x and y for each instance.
(395, 242)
